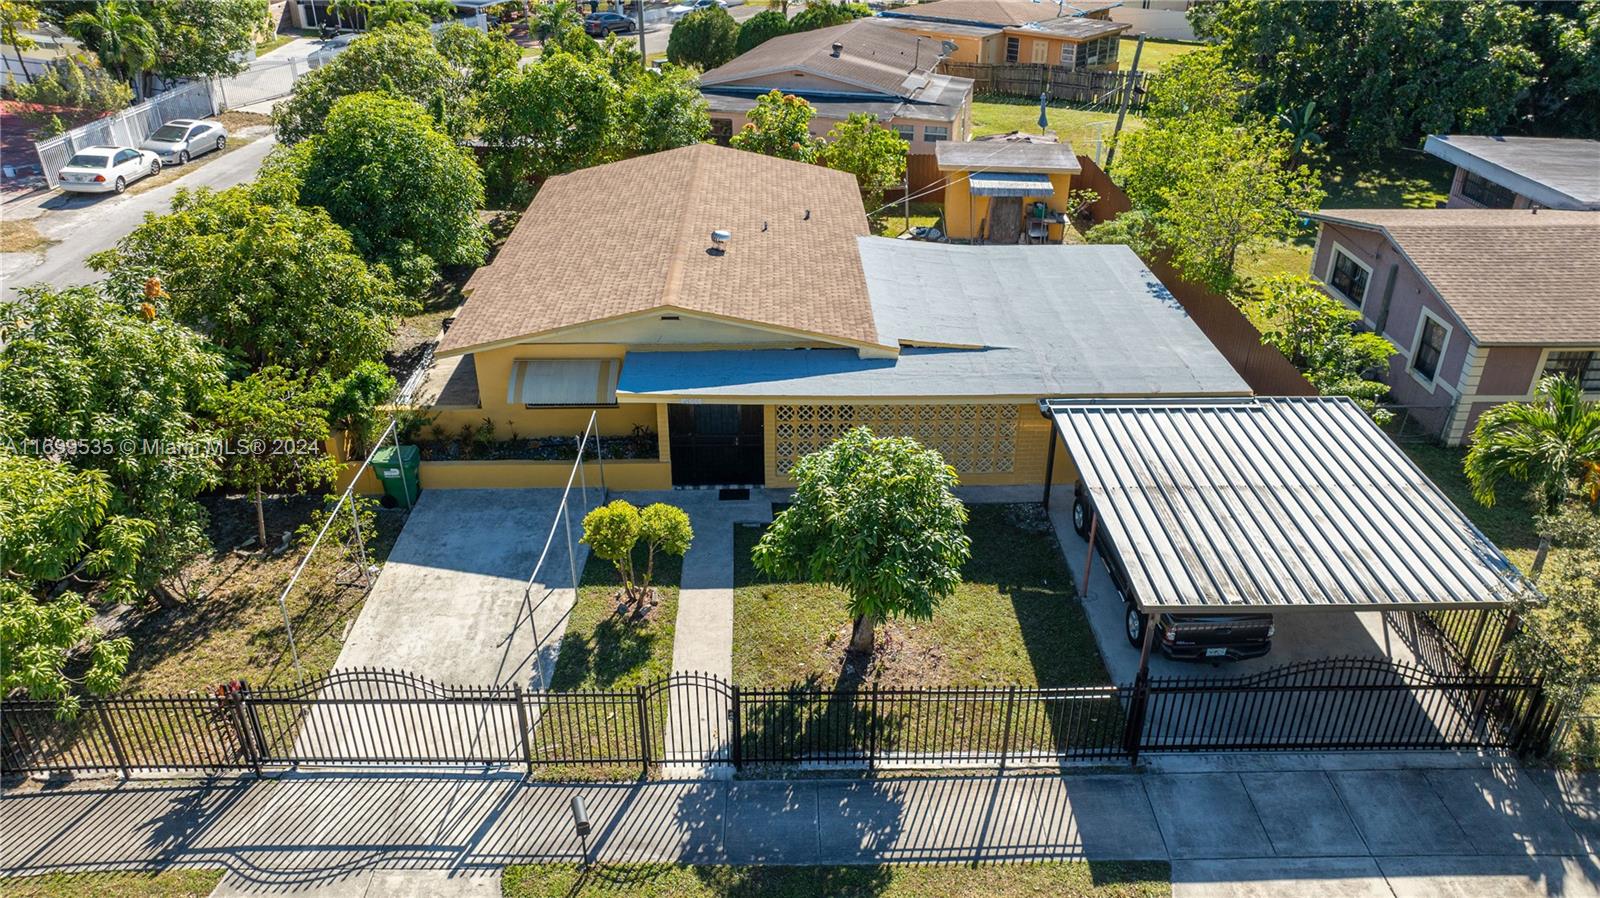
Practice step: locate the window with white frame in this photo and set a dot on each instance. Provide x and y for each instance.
(1068, 53)
(934, 133)
(1582, 365)
(1348, 277)
(1431, 339)
(906, 132)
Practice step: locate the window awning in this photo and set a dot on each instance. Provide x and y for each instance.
(1010, 184)
(563, 382)
(1274, 503)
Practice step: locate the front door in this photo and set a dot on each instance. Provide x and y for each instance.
(715, 444)
(1005, 219)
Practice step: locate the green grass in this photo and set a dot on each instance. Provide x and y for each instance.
(1013, 621)
(278, 40)
(1156, 52)
(1509, 524)
(1072, 879)
(605, 646)
(997, 115)
(924, 215)
(165, 884)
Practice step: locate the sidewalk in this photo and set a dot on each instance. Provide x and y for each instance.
(1276, 831)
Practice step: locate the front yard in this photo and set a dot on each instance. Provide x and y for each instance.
(174, 883)
(1013, 621)
(611, 644)
(1070, 879)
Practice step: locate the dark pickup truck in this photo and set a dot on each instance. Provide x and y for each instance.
(1182, 637)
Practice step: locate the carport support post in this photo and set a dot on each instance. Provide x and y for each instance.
(1049, 470)
(1134, 733)
(1088, 561)
(361, 544)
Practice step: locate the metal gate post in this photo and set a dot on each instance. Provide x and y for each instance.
(246, 744)
(1005, 743)
(872, 728)
(111, 736)
(1524, 732)
(361, 544)
(644, 726)
(1133, 733)
(736, 738)
(522, 727)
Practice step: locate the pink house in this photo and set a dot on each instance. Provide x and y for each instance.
(1478, 303)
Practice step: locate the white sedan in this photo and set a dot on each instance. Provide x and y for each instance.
(107, 169)
(683, 9)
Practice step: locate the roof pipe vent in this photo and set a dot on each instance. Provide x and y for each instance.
(719, 240)
(838, 49)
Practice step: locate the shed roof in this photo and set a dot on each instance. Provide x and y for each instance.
(1513, 276)
(873, 57)
(994, 323)
(1556, 172)
(635, 236)
(1274, 503)
(1007, 155)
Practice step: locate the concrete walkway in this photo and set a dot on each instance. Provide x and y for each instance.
(1372, 825)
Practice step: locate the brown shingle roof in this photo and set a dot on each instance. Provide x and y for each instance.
(1002, 12)
(875, 57)
(633, 236)
(1511, 276)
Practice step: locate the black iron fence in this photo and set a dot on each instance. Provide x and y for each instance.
(376, 718)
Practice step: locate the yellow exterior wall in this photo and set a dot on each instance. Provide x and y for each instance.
(1029, 457)
(629, 474)
(494, 373)
(963, 212)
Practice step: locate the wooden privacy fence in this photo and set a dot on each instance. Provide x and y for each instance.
(1023, 79)
(374, 718)
(1263, 367)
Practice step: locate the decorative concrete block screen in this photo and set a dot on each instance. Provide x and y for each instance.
(974, 439)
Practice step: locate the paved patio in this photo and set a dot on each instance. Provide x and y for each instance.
(1423, 824)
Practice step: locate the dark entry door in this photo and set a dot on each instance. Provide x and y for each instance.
(714, 444)
(1005, 219)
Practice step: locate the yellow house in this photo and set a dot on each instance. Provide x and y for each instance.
(1076, 35)
(729, 312)
(1007, 190)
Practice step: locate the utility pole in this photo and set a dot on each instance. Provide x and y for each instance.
(644, 61)
(1127, 96)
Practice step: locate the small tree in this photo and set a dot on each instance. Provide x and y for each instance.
(1134, 229)
(274, 424)
(662, 110)
(399, 60)
(778, 127)
(760, 28)
(1560, 636)
(825, 14)
(1551, 444)
(1322, 337)
(613, 533)
(554, 116)
(871, 152)
(705, 39)
(56, 526)
(875, 517)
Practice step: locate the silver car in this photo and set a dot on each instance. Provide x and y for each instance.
(182, 139)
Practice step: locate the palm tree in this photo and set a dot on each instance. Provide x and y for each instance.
(1550, 443)
(122, 39)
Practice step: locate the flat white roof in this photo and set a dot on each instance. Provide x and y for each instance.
(1274, 503)
(1555, 172)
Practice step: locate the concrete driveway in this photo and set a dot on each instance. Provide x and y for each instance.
(452, 602)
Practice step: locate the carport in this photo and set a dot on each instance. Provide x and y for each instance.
(1278, 505)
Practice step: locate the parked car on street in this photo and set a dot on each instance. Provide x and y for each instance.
(107, 169)
(182, 139)
(1182, 637)
(683, 9)
(600, 24)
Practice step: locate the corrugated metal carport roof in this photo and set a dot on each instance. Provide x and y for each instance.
(1280, 502)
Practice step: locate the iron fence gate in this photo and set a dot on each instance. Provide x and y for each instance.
(367, 718)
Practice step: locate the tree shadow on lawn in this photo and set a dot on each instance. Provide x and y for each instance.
(610, 643)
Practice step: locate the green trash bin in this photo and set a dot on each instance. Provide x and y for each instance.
(397, 471)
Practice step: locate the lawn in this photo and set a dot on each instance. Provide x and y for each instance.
(611, 645)
(278, 40)
(1013, 620)
(924, 215)
(22, 236)
(165, 884)
(1070, 879)
(994, 114)
(1509, 524)
(1156, 52)
(231, 627)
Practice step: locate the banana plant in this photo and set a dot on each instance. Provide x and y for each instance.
(1302, 125)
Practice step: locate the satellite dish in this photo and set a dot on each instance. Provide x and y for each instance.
(947, 47)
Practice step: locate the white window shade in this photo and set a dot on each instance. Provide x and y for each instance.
(563, 383)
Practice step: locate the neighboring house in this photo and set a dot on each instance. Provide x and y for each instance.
(747, 353)
(1076, 35)
(316, 13)
(1520, 172)
(1479, 303)
(995, 188)
(860, 66)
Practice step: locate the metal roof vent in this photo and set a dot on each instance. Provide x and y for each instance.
(719, 240)
(838, 49)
